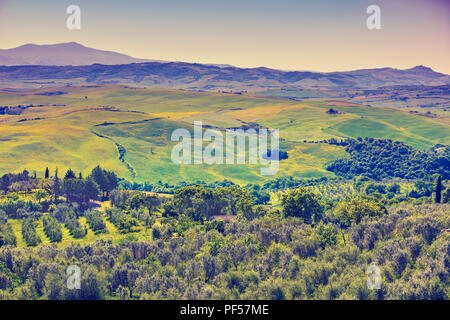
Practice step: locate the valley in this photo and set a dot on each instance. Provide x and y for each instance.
(128, 130)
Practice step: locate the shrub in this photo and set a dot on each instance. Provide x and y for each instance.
(95, 220)
(67, 214)
(29, 233)
(52, 229)
(7, 233)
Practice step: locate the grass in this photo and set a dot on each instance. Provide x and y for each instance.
(68, 136)
(17, 228)
(61, 142)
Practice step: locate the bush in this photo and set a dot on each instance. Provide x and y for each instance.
(52, 229)
(95, 220)
(67, 214)
(7, 233)
(29, 233)
(121, 220)
(13, 207)
(326, 235)
(156, 232)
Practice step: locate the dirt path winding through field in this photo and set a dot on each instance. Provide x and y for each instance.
(120, 148)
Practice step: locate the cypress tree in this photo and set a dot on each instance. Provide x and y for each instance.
(46, 173)
(438, 189)
(56, 185)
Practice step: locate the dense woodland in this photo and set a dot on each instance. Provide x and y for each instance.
(380, 159)
(223, 241)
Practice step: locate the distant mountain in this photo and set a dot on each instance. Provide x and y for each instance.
(72, 63)
(62, 54)
(212, 78)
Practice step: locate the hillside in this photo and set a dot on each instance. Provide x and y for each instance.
(72, 63)
(65, 127)
(213, 78)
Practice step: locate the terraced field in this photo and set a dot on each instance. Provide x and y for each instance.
(128, 130)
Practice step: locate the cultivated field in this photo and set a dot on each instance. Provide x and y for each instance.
(128, 130)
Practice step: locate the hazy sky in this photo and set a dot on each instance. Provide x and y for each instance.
(319, 35)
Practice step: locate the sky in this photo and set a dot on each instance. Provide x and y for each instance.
(317, 35)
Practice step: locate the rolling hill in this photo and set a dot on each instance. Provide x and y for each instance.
(128, 130)
(74, 64)
(93, 107)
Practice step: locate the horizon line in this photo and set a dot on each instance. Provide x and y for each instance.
(206, 63)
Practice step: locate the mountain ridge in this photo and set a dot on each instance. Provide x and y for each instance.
(61, 54)
(123, 69)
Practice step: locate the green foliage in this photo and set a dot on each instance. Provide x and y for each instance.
(438, 190)
(40, 194)
(302, 203)
(106, 180)
(354, 209)
(326, 234)
(124, 222)
(269, 257)
(52, 228)
(7, 234)
(446, 196)
(394, 188)
(95, 220)
(126, 199)
(80, 190)
(213, 242)
(55, 186)
(156, 232)
(18, 182)
(127, 224)
(67, 214)
(115, 215)
(380, 159)
(421, 189)
(141, 199)
(69, 174)
(200, 203)
(16, 208)
(29, 232)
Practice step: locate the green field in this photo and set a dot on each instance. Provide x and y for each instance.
(64, 132)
